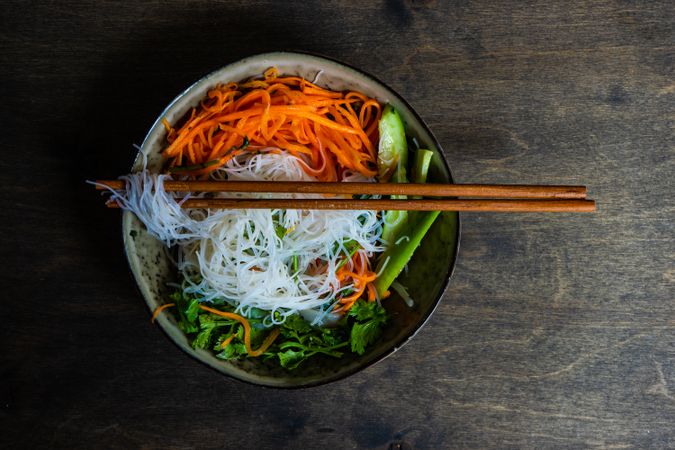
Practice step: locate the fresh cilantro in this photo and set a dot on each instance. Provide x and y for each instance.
(298, 340)
(362, 311)
(291, 359)
(232, 351)
(370, 317)
(208, 324)
(192, 310)
(219, 342)
(364, 334)
(186, 320)
(297, 324)
(227, 353)
(332, 336)
(202, 340)
(239, 334)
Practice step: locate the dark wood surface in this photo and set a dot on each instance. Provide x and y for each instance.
(557, 331)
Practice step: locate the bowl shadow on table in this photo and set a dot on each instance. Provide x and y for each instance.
(135, 82)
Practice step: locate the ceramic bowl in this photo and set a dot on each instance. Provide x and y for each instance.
(427, 275)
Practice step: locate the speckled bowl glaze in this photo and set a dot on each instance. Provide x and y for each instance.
(428, 273)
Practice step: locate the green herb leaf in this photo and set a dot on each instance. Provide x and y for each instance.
(187, 327)
(219, 342)
(364, 334)
(209, 321)
(291, 359)
(232, 351)
(228, 353)
(370, 317)
(239, 348)
(239, 333)
(332, 336)
(203, 338)
(296, 323)
(367, 310)
(192, 310)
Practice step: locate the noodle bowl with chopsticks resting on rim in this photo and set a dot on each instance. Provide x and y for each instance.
(284, 285)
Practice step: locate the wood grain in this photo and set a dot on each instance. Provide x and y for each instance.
(553, 334)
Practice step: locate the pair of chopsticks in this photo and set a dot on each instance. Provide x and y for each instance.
(498, 198)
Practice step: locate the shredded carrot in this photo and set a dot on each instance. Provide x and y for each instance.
(372, 293)
(227, 341)
(247, 331)
(159, 310)
(357, 272)
(323, 128)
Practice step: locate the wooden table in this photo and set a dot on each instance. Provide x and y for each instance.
(556, 331)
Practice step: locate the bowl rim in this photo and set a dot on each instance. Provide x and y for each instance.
(423, 320)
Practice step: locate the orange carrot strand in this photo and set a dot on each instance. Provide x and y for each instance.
(247, 331)
(159, 309)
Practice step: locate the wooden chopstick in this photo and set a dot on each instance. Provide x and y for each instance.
(499, 205)
(410, 189)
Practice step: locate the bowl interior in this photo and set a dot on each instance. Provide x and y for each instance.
(427, 274)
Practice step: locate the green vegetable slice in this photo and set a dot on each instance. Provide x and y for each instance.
(392, 161)
(421, 167)
(399, 253)
(392, 153)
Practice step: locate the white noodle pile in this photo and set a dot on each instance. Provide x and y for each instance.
(281, 261)
(162, 215)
